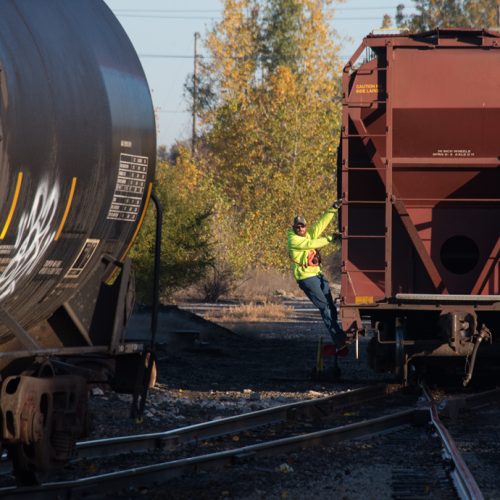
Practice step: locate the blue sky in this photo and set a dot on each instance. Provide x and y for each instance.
(163, 35)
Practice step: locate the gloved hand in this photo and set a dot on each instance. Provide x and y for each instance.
(334, 236)
(337, 204)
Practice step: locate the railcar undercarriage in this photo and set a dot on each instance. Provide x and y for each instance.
(419, 332)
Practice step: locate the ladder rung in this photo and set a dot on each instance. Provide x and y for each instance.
(363, 236)
(364, 104)
(348, 136)
(370, 71)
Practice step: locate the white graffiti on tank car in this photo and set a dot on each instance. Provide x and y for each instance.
(34, 235)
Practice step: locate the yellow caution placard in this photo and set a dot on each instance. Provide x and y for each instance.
(366, 88)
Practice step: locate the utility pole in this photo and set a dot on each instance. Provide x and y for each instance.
(195, 92)
(498, 15)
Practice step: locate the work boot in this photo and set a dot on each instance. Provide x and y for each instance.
(339, 338)
(330, 350)
(351, 336)
(342, 351)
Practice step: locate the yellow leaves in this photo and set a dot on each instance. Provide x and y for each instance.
(283, 84)
(187, 172)
(270, 144)
(232, 46)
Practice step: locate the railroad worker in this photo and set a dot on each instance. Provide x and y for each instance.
(303, 245)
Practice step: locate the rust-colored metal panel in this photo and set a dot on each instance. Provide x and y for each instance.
(421, 166)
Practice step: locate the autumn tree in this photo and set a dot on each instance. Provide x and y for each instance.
(187, 199)
(270, 135)
(431, 14)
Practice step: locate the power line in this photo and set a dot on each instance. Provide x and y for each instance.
(168, 56)
(199, 11)
(173, 56)
(148, 16)
(199, 56)
(166, 10)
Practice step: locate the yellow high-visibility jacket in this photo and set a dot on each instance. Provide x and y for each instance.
(300, 246)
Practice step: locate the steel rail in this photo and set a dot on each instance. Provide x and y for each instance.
(169, 440)
(319, 407)
(161, 472)
(139, 476)
(464, 481)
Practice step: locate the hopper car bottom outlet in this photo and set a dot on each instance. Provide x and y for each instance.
(419, 174)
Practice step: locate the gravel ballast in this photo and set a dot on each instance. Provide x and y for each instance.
(264, 365)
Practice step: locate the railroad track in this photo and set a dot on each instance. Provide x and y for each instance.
(322, 409)
(477, 437)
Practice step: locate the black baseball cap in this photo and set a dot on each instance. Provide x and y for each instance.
(299, 220)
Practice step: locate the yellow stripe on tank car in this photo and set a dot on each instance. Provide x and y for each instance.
(13, 205)
(139, 225)
(66, 210)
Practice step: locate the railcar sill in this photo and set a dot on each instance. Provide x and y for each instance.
(424, 297)
(74, 351)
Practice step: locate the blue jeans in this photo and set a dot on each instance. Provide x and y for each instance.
(318, 291)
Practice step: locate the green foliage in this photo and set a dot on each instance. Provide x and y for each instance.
(280, 35)
(433, 14)
(187, 200)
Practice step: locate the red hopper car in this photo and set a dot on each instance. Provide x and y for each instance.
(420, 178)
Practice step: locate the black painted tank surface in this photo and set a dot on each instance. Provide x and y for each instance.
(78, 149)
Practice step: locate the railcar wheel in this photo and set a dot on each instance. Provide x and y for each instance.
(43, 417)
